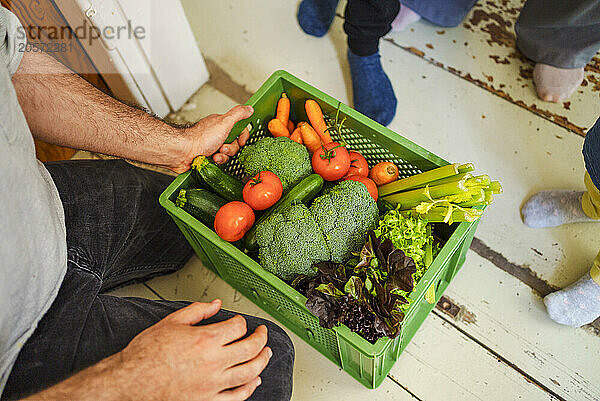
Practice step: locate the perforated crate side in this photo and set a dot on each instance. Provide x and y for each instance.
(255, 288)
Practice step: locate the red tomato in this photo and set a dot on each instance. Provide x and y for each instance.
(371, 187)
(358, 165)
(263, 190)
(232, 220)
(331, 162)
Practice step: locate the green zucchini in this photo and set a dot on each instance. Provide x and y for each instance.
(217, 180)
(303, 192)
(200, 203)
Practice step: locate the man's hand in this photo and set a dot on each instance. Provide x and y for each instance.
(207, 136)
(64, 109)
(176, 360)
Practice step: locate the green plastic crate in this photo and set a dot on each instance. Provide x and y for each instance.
(368, 363)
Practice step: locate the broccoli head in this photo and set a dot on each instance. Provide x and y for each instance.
(281, 156)
(344, 214)
(290, 243)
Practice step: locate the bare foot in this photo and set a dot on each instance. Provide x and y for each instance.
(555, 84)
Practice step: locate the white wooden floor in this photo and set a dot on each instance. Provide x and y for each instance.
(464, 94)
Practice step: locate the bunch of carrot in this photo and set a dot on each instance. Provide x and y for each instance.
(311, 135)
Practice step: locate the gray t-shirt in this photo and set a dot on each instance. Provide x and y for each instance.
(33, 248)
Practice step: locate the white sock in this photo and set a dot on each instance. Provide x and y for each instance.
(575, 305)
(405, 17)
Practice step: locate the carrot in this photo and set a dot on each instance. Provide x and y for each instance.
(297, 136)
(277, 128)
(309, 137)
(283, 110)
(290, 126)
(384, 173)
(315, 115)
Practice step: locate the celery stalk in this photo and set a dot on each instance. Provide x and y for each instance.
(428, 259)
(481, 181)
(439, 214)
(417, 180)
(477, 198)
(452, 178)
(495, 187)
(489, 197)
(471, 193)
(466, 168)
(410, 199)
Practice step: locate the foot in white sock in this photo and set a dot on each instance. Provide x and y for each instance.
(555, 84)
(575, 305)
(554, 208)
(405, 17)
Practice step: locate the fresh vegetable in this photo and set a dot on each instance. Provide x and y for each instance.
(447, 194)
(297, 136)
(417, 180)
(293, 238)
(366, 293)
(263, 190)
(466, 168)
(449, 213)
(344, 214)
(411, 234)
(200, 203)
(310, 139)
(412, 198)
(371, 187)
(303, 192)
(384, 173)
(315, 116)
(277, 128)
(290, 242)
(282, 156)
(283, 110)
(331, 162)
(384, 206)
(453, 178)
(233, 220)
(358, 165)
(221, 183)
(290, 126)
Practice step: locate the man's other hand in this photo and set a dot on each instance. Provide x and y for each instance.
(208, 135)
(175, 360)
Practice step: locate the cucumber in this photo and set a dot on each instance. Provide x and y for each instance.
(217, 180)
(303, 192)
(200, 203)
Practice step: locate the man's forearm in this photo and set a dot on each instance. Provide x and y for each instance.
(105, 380)
(64, 109)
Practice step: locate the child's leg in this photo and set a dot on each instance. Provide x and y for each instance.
(554, 208)
(561, 39)
(579, 303)
(366, 21)
(590, 201)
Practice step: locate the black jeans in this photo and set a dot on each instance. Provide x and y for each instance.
(366, 21)
(591, 153)
(117, 234)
